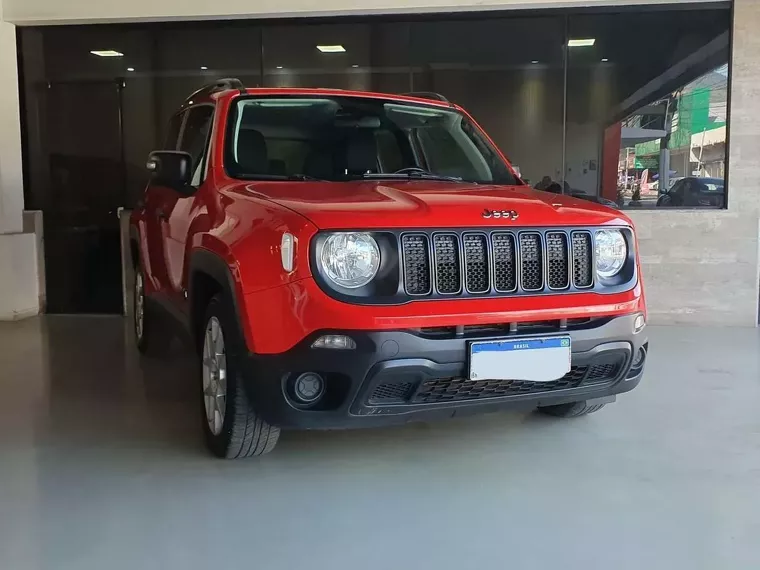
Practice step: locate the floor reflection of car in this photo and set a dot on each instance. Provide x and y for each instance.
(695, 192)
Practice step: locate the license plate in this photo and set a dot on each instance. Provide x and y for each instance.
(529, 359)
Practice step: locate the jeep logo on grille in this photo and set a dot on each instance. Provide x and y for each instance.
(503, 214)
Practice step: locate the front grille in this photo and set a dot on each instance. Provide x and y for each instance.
(499, 262)
(416, 264)
(604, 369)
(448, 273)
(457, 389)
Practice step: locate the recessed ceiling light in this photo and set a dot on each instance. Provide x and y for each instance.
(535, 61)
(106, 53)
(605, 60)
(331, 49)
(588, 42)
(279, 67)
(354, 65)
(130, 69)
(204, 68)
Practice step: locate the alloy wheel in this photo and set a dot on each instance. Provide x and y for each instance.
(214, 376)
(139, 306)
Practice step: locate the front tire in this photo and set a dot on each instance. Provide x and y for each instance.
(231, 427)
(571, 410)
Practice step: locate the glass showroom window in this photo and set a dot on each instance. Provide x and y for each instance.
(509, 74)
(647, 108)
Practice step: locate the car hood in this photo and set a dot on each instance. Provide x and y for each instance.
(429, 204)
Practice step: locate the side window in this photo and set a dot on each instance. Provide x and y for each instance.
(172, 132)
(194, 137)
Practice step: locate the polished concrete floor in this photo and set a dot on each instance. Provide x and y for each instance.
(101, 467)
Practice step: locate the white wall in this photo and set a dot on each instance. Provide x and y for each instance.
(19, 295)
(71, 11)
(11, 177)
(19, 288)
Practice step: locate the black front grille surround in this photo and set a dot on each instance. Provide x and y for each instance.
(447, 264)
(476, 263)
(416, 264)
(531, 261)
(503, 261)
(583, 270)
(511, 261)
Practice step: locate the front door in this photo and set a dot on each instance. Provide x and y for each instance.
(170, 213)
(84, 190)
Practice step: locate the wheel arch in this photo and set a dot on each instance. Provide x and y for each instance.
(134, 245)
(210, 275)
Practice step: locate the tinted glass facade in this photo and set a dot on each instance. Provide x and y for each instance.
(627, 108)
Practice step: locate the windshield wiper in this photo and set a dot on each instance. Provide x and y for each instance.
(293, 177)
(411, 175)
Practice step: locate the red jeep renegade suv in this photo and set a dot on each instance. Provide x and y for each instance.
(345, 259)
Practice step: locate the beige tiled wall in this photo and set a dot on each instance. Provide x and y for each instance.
(702, 267)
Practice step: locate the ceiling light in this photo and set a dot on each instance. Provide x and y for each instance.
(582, 43)
(331, 49)
(279, 67)
(354, 65)
(106, 53)
(130, 69)
(535, 61)
(204, 68)
(605, 60)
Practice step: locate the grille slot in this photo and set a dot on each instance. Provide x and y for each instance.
(416, 264)
(504, 264)
(391, 393)
(582, 259)
(557, 260)
(476, 263)
(448, 273)
(601, 373)
(531, 262)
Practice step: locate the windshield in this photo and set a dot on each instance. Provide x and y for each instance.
(350, 138)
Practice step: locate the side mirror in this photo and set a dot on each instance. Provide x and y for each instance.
(173, 169)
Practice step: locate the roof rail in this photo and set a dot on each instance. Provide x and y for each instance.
(215, 87)
(427, 95)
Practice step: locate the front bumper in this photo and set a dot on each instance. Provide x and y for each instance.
(400, 376)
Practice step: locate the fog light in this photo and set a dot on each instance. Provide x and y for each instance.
(335, 341)
(639, 323)
(308, 388)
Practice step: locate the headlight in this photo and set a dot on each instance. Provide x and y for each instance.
(350, 259)
(611, 253)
